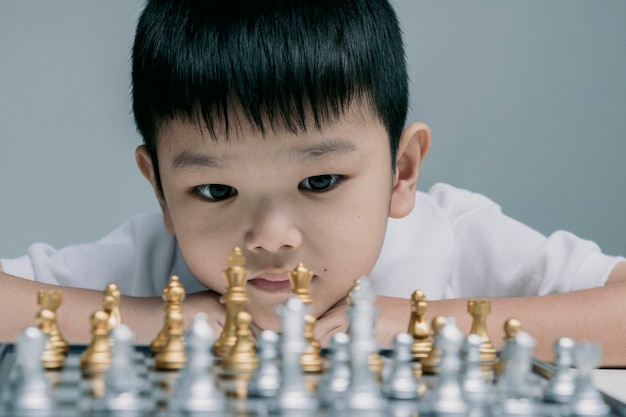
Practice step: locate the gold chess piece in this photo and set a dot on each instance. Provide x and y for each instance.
(52, 357)
(49, 301)
(243, 356)
(300, 279)
(419, 327)
(171, 355)
(430, 364)
(480, 309)
(173, 295)
(511, 327)
(97, 356)
(234, 298)
(111, 304)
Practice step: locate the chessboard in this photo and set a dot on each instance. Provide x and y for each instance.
(433, 369)
(77, 393)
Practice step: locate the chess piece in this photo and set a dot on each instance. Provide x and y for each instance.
(430, 365)
(515, 394)
(30, 390)
(50, 300)
(363, 392)
(196, 390)
(111, 304)
(52, 356)
(171, 355)
(480, 309)
(336, 381)
(511, 328)
(234, 298)
(123, 387)
(242, 357)
(266, 380)
(447, 398)
(562, 385)
(300, 279)
(97, 356)
(292, 396)
(476, 388)
(401, 383)
(419, 327)
(587, 400)
(173, 295)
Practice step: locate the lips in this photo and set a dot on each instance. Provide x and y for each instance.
(270, 285)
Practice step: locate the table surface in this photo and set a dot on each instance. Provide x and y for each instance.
(611, 382)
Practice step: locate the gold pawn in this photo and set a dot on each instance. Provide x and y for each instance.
(480, 309)
(97, 356)
(173, 295)
(511, 327)
(111, 304)
(52, 357)
(242, 357)
(172, 355)
(234, 299)
(51, 300)
(430, 365)
(419, 327)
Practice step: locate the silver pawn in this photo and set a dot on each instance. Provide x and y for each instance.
(293, 395)
(561, 386)
(31, 389)
(196, 390)
(122, 384)
(447, 397)
(515, 391)
(587, 400)
(401, 383)
(477, 390)
(336, 382)
(266, 380)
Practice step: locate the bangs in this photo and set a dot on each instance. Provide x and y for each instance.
(280, 65)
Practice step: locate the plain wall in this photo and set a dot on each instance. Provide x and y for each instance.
(526, 102)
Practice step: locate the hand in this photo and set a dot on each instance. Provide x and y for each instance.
(207, 302)
(333, 321)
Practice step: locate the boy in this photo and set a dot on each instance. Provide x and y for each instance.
(279, 127)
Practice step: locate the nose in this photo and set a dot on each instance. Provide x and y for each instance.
(273, 228)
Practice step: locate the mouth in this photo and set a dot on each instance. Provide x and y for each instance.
(271, 282)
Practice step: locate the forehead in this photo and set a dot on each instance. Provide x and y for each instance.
(238, 126)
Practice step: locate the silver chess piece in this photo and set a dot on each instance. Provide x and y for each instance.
(401, 383)
(266, 380)
(293, 397)
(587, 400)
(30, 390)
(561, 386)
(364, 392)
(446, 398)
(478, 391)
(514, 388)
(196, 390)
(336, 381)
(123, 387)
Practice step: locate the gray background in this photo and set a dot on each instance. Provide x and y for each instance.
(526, 102)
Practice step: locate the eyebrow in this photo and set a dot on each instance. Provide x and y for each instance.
(331, 147)
(190, 159)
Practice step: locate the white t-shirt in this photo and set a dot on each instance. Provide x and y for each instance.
(454, 244)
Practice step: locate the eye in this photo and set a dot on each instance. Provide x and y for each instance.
(215, 192)
(320, 183)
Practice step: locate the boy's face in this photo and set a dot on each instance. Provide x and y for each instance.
(320, 197)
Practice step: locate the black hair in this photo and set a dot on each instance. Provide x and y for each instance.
(283, 64)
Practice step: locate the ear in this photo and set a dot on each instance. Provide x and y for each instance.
(144, 162)
(413, 147)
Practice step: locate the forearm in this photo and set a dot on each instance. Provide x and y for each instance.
(18, 308)
(592, 315)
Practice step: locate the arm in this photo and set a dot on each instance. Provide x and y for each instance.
(592, 315)
(144, 315)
